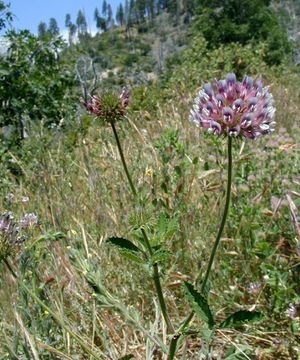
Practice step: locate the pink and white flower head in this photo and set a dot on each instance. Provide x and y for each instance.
(109, 106)
(29, 220)
(233, 108)
(9, 235)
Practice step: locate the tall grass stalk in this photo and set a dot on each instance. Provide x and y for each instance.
(57, 319)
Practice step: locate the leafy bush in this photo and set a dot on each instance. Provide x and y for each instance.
(35, 84)
(243, 21)
(130, 59)
(198, 62)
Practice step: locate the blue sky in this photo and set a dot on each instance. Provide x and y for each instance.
(29, 13)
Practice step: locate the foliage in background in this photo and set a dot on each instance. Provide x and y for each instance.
(198, 62)
(288, 13)
(243, 22)
(35, 84)
(6, 15)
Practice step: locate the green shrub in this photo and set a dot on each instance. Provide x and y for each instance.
(130, 59)
(243, 21)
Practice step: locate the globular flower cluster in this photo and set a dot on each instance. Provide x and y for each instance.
(109, 107)
(293, 311)
(233, 108)
(11, 234)
(29, 220)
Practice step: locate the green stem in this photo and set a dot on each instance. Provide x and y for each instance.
(176, 337)
(52, 313)
(123, 159)
(10, 268)
(161, 299)
(225, 213)
(158, 287)
(156, 278)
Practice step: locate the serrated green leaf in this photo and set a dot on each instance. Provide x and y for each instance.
(199, 304)
(123, 244)
(167, 226)
(127, 249)
(162, 223)
(160, 255)
(241, 317)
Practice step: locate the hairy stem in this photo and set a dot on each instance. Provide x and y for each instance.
(123, 159)
(176, 337)
(225, 213)
(10, 268)
(156, 278)
(158, 287)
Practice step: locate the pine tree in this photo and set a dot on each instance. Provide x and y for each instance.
(120, 15)
(68, 21)
(162, 4)
(110, 19)
(104, 8)
(81, 23)
(189, 9)
(101, 24)
(71, 27)
(100, 21)
(150, 9)
(126, 12)
(72, 33)
(132, 12)
(96, 14)
(42, 29)
(173, 10)
(141, 9)
(53, 28)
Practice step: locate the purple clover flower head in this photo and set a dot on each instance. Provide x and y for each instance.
(109, 106)
(9, 234)
(10, 198)
(28, 221)
(293, 311)
(7, 223)
(208, 90)
(238, 109)
(254, 288)
(25, 199)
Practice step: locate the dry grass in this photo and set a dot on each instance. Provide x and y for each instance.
(83, 194)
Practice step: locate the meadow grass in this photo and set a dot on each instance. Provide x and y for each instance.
(108, 303)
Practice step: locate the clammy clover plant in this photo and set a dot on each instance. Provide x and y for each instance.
(230, 109)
